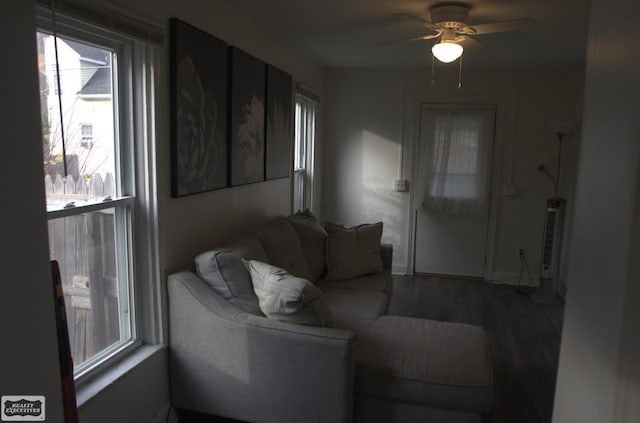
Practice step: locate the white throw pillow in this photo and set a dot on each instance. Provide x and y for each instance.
(287, 298)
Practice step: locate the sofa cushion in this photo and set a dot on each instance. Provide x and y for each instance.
(224, 271)
(377, 282)
(283, 248)
(313, 239)
(353, 252)
(440, 364)
(287, 298)
(348, 305)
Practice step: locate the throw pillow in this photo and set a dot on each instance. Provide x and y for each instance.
(224, 271)
(287, 298)
(282, 245)
(313, 239)
(353, 252)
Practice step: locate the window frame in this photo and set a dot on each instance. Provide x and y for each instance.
(306, 102)
(433, 144)
(134, 203)
(299, 161)
(458, 125)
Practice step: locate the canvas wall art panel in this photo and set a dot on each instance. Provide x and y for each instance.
(198, 108)
(247, 106)
(279, 131)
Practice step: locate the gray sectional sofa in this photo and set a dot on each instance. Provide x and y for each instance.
(228, 359)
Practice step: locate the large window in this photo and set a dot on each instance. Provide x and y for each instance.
(88, 81)
(307, 104)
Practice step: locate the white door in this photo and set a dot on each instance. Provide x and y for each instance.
(453, 188)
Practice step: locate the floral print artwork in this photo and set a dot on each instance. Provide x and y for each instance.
(251, 139)
(198, 156)
(279, 134)
(210, 82)
(248, 86)
(199, 101)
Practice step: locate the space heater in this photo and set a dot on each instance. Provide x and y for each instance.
(550, 255)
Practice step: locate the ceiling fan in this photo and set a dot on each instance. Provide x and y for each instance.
(450, 23)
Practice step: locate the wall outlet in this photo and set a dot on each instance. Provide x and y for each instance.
(520, 252)
(401, 185)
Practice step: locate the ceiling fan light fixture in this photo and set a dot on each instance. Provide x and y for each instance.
(447, 51)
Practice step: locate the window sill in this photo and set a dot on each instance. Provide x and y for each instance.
(91, 388)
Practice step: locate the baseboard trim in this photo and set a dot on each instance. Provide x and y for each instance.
(504, 278)
(450, 276)
(512, 279)
(399, 269)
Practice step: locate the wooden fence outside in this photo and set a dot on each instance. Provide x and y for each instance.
(85, 247)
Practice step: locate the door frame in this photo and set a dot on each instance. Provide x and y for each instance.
(417, 163)
(503, 97)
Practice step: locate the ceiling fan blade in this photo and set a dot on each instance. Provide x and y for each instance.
(406, 40)
(424, 22)
(524, 24)
(473, 44)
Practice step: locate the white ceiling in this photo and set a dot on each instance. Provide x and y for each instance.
(344, 33)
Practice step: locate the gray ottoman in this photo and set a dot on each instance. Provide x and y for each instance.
(410, 369)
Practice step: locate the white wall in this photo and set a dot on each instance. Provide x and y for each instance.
(369, 135)
(139, 396)
(29, 360)
(599, 373)
(363, 152)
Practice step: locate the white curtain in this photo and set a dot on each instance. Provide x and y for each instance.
(455, 147)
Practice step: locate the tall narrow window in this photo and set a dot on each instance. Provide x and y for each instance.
(456, 144)
(307, 104)
(89, 139)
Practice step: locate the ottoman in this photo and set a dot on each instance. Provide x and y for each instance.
(410, 369)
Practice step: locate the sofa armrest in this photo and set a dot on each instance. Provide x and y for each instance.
(226, 362)
(386, 252)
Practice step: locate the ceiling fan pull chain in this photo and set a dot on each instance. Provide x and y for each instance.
(460, 74)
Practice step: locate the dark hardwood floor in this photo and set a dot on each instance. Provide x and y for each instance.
(524, 338)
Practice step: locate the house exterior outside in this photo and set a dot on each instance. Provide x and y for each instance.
(86, 105)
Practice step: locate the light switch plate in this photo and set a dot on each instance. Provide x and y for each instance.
(401, 185)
